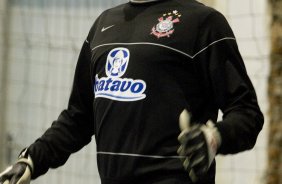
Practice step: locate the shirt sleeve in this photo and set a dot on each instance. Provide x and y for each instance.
(74, 127)
(229, 85)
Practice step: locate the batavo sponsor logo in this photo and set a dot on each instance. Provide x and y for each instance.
(113, 86)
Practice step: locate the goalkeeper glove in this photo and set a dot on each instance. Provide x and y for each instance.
(20, 172)
(199, 145)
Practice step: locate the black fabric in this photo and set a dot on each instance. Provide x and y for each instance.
(172, 55)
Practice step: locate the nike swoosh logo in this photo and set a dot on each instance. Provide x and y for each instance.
(106, 28)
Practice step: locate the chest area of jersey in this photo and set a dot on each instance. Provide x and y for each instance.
(165, 27)
(140, 57)
(133, 72)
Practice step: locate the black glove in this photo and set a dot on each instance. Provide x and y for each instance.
(198, 147)
(20, 172)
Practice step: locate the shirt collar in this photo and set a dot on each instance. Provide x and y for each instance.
(142, 1)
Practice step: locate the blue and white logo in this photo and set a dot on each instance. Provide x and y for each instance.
(117, 62)
(113, 86)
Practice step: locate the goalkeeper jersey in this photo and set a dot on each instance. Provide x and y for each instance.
(140, 66)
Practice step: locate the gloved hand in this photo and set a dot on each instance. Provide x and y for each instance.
(20, 172)
(198, 147)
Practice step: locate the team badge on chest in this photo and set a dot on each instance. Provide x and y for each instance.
(165, 27)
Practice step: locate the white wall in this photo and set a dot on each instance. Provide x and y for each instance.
(3, 64)
(44, 43)
(250, 22)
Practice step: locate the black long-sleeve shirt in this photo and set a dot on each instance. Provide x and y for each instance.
(140, 66)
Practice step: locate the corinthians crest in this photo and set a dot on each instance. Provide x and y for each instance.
(165, 27)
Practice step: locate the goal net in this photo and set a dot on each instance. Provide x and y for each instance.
(38, 53)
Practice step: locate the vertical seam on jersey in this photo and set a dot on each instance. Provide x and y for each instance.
(205, 48)
(138, 155)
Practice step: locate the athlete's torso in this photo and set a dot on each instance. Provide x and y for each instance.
(144, 75)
